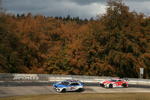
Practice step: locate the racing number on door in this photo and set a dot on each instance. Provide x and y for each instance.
(72, 88)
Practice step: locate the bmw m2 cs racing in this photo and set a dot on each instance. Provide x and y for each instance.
(112, 83)
(68, 85)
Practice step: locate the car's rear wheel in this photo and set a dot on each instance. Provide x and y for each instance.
(101, 85)
(110, 85)
(80, 89)
(124, 85)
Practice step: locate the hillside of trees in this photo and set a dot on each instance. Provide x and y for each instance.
(115, 44)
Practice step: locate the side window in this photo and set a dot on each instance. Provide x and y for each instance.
(119, 80)
(74, 84)
(65, 83)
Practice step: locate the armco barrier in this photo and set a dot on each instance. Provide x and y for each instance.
(54, 78)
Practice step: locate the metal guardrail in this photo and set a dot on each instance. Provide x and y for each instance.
(54, 78)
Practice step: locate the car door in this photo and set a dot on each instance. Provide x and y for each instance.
(74, 86)
(119, 83)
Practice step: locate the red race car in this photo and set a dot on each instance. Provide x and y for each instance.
(114, 83)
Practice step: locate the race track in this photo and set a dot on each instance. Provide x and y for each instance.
(35, 88)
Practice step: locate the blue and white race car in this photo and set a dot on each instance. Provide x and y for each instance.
(68, 85)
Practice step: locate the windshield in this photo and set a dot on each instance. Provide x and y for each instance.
(113, 80)
(64, 83)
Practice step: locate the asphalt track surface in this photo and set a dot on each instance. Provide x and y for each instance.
(8, 89)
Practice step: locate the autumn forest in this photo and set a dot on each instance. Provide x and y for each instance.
(114, 44)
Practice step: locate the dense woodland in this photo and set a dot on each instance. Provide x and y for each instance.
(115, 44)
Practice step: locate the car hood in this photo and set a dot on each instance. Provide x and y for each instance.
(59, 85)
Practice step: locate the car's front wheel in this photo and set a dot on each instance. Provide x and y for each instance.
(63, 90)
(124, 85)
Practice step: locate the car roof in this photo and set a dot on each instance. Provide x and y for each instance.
(72, 81)
(117, 79)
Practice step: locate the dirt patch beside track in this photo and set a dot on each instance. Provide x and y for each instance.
(37, 90)
(89, 96)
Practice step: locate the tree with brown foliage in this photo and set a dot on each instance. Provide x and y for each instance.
(115, 44)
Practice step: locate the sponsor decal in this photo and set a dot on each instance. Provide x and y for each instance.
(25, 77)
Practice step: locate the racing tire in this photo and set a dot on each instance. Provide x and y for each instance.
(63, 90)
(80, 90)
(124, 85)
(110, 85)
(101, 85)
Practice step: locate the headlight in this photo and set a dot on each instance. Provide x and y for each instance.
(58, 89)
